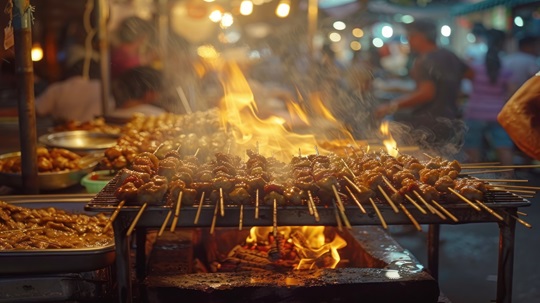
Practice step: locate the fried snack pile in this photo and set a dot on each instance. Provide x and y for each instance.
(49, 228)
(49, 160)
(96, 125)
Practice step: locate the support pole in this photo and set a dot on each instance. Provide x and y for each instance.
(24, 69)
(102, 17)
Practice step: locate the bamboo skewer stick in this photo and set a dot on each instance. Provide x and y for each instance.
(199, 208)
(518, 186)
(499, 188)
(241, 219)
(505, 180)
(519, 219)
(489, 210)
(114, 215)
(396, 210)
(257, 204)
(506, 166)
(162, 229)
(464, 199)
(338, 219)
(521, 213)
(356, 200)
(479, 163)
(177, 210)
(486, 171)
(341, 208)
(274, 219)
(410, 216)
(137, 217)
(158, 148)
(445, 211)
(431, 209)
(221, 202)
(310, 207)
(378, 212)
(214, 218)
(196, 152)
(423, 211)
(315, 212)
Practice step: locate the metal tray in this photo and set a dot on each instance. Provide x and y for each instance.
(79, 140)
(53, 180)
(49, 261)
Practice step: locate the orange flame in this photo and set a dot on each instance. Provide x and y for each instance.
(389, 142)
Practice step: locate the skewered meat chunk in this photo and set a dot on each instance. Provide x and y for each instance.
(153, 191)
(443, 183)
(168, 167)
(295, 195)
(429, 176)
(271, 196)
(127, 192)
(226, 184)
(239, 196)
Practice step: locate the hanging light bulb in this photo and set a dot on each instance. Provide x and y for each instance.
(246, 7)
(215, 16)
(37, 52)
(227, 20)
(283, 8)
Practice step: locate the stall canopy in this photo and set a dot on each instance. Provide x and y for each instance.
(464, 9)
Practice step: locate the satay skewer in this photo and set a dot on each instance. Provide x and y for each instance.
(274, 219)
(214, 218)
(445, 211)
(410, 216)
(519, 219)
(356, 200)
(315, 212)
(241, 219)
(199, 208)
(518, 186)
(257, 204)
(505, 166)
(519, 191)
(137, 217)
(464, 199)
(485, 171)
(177, 210)
(338, 219)
(221, 202)
(489, 210)
(378, 212)
(341, 208)
(164, 225)
(114, 215)
(391, 186)
(385, 195)
(505, 180)
(431, 209)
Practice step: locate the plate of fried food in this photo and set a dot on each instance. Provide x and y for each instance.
(58, 168)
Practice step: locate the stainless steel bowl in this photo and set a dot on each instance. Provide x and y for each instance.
(79, 140)
(53, 180)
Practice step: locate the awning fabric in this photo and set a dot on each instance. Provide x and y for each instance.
(464, 9)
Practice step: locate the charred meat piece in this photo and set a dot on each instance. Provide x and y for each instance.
(271, 196)
(153, 191)
(239, 196)
(127, 192)
(443, 183)
(295, 195)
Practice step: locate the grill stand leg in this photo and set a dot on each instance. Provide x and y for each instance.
(123, 271)
(433, 250)
(505, 270)
(140, 257)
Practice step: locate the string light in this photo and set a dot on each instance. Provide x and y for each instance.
(283, 8)
(246, 7)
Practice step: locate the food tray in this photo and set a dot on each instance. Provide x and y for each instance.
(79, 140)
(54, 260)
(53, 180)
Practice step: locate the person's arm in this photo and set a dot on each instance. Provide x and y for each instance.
(424, 92)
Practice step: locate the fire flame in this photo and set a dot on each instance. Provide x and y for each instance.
(389, 142)
(310, 244)
(274, 134)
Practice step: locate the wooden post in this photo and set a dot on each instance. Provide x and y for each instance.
(102, 16)
(22, 21)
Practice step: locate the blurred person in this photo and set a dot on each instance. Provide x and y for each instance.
(433, 104)
(137, 91)
(489, 93)
(133, 39)
(476, 51)
(523, 63)
(520, 117)
(77, 97)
